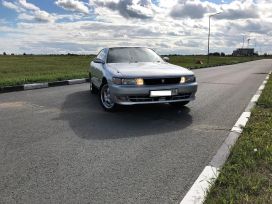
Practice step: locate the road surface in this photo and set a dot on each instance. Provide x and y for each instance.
(57, 145)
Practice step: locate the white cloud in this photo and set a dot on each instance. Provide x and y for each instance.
(193, 9)
(142, 9)
(169, 26)
(26, 17)
(11, 5)
(27, 5)
(43, 16)
(28, 11)
(73, 5)
(239, 10)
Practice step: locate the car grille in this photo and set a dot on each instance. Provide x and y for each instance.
(167, 98)
(162, 81)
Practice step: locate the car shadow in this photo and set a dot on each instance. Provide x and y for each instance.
(89, 121)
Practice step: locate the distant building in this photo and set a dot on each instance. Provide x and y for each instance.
(243, 52)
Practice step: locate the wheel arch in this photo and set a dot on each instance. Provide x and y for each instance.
(104, 81)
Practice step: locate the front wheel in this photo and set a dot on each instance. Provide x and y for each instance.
(179, 104)
(93, 89)
(105, 99)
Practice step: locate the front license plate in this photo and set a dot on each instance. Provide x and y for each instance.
(160, 93)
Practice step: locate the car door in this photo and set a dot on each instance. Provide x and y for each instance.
(97, 67)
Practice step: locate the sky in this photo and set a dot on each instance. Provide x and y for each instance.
(168, 26)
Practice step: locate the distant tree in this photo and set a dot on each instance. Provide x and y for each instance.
(223, 54)
(71, 54)
(4, 53)
(12, 54)
(24, 53)
(215, 54)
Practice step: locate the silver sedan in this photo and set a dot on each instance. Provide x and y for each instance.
(137, 75)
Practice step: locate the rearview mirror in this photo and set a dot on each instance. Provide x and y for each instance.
(166, 59)
(100, 61)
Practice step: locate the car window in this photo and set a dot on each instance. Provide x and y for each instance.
(102, 55)
(132, 55)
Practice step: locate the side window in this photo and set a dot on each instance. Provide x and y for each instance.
(102, 54)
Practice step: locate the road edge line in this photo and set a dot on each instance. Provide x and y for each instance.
(197, 192)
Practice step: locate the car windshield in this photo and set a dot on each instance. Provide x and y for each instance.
(132, 55)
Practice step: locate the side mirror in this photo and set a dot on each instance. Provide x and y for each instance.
(166, 59)
(100, 61)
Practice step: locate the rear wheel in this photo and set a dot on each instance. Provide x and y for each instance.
(105, 98)
(179, 104)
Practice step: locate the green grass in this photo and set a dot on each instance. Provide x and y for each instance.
(16, 70)
(190, 61)
(247, 175)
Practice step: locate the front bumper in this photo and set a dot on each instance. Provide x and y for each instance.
(131, 95)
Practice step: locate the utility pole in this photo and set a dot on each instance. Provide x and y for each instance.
(248, 40)
(209, 35)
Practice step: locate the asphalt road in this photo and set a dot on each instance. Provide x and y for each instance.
(57, 145)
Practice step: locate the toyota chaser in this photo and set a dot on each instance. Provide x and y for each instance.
(137, 75)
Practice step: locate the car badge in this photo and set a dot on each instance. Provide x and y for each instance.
(163, 80)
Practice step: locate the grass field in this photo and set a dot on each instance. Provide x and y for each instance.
(16, 70)
(190, 61)
(247, 175)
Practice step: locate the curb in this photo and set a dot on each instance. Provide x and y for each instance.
(25, 87)
(210, 173)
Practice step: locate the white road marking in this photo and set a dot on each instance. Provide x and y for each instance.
(241, 122)
(255, 98)
(261, 87)
(197, 192)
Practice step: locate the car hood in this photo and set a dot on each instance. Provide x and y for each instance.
(147, 69)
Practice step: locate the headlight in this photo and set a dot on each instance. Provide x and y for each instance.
(182, 80)
(187, 79)
(190, 79)
(119, 81)
(139, 82)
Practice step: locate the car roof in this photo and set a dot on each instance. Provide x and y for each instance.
(128, 47)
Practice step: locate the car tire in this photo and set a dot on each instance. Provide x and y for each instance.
(93, 89)
(179, 104)
(105, 99)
